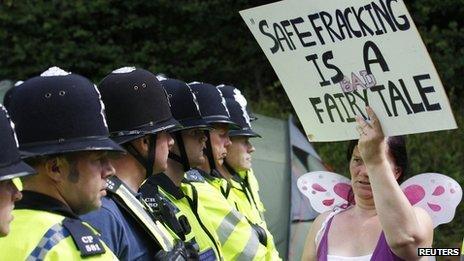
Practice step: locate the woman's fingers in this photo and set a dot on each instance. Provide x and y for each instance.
(371, 142)
(360, 130)
(375, 123)
(363, 126)
(359, 120)
(370, 129)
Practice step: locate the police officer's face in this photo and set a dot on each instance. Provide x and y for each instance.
(194, 142)
(239, 153)
(8, 195)
(164, 142)
(85, 181)
(220, 141)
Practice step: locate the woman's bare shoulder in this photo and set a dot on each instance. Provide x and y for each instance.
(309, 252)
(319, 220)
(323, 215)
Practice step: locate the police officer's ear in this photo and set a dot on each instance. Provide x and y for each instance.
(55, 168)
(141, 144)
(146, 141)
(175, 148)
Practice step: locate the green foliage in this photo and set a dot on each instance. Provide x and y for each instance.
(208, 41)
(442, 29)
(189, 40)
(442, 152)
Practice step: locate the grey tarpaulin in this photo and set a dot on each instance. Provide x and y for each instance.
(271, 165)
(282, 155)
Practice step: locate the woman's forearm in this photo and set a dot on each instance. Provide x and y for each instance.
(404, 230)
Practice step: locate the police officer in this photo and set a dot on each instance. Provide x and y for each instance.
(244, 188)
(214, 111)
(206, 186)
(62, 131)
(190, 140)
(11, 166)
(139, 119)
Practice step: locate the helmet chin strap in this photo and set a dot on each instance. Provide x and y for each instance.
(150, 159)
(183, 158)
(230, 169)
(209, 155)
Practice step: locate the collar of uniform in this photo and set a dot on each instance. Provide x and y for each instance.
(236, 178)
(167, 185)
(243, 174)
(205, 175)
(235, 175)
(39, 201)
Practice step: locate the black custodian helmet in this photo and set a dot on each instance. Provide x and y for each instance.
(136, 104)
(11, 165)
(230, 92)
(184, 104)
(212, 104)
(237, 106)
(59, 112)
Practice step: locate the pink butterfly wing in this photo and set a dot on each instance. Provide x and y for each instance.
(438, 194)
(342, 190)
(415, 193)
(325, 190)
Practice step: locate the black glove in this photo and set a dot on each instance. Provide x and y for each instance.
(262, 235)
(180, 252)
(192, 250)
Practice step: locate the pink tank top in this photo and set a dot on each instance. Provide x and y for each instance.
(382, 251)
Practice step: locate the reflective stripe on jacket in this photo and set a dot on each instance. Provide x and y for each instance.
(142, 212)
(244, 196)
(238, 239)
(204, 241)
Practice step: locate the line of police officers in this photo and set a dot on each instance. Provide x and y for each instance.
(138, 168)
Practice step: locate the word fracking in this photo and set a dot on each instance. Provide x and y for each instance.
(375, 18)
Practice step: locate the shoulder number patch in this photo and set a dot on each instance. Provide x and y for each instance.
(87, 242)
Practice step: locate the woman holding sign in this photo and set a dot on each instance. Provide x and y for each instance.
(380, 224)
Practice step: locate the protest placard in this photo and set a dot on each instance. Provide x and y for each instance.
(336, 57)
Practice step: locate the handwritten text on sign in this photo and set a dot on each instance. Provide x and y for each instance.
(334, 58)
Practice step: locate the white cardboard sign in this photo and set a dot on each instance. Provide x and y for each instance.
(335, 57)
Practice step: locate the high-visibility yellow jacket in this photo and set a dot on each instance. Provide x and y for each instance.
(243, 193)
(462, 248)
(43, 233)
(200, 231)
(238, 239)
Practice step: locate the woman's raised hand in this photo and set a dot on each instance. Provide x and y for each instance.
(372, 142)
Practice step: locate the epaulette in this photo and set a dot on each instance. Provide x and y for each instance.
(194, 175)
(87, 241)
